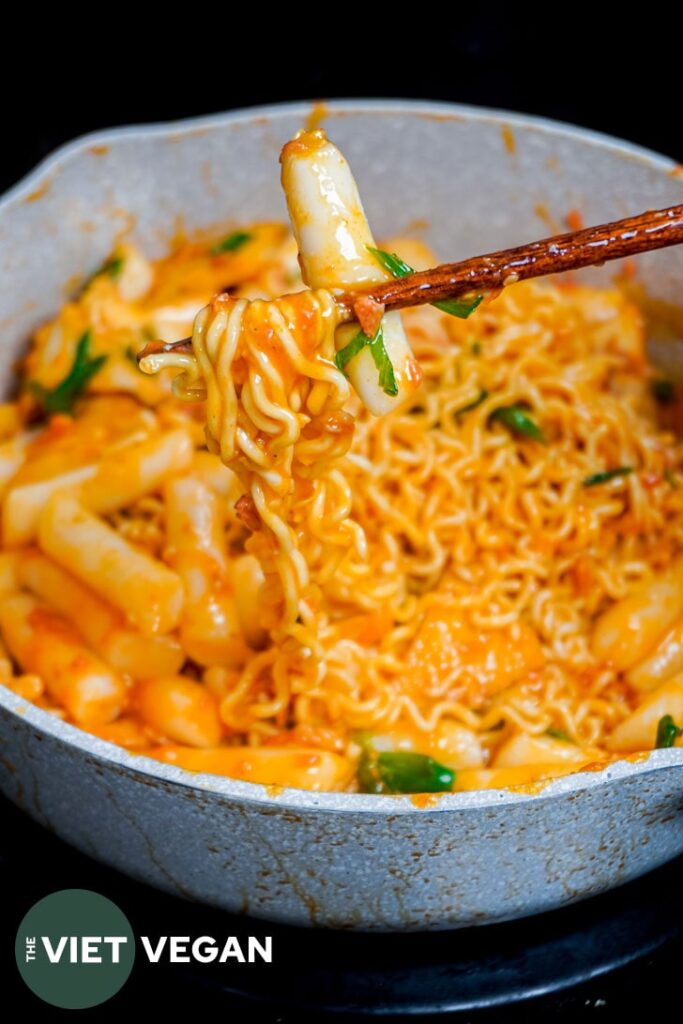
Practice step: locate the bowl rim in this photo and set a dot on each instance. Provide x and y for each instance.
(339, 107)
(133, 764)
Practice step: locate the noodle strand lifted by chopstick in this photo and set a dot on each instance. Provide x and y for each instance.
(274, 400)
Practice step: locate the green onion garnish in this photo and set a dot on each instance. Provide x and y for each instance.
(112, 267)
(346, 354)
(387, 380)
(458, 307)
(609, 474)
(62, 397)
(231, 243)
(399, 268)
(402, 772)
(518, 421)
(667, 732)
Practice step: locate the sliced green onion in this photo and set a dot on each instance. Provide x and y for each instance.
(346, 354)
(391, 262)
(397, 267)
(459, 307)
(609, 474)
(369, 780)
(113, 267)
(62, 397)
(402, 772)
(518, 421)
(231, 243)
(387, 378)
(667, 732)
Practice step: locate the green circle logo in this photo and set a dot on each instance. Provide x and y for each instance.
(75, 949)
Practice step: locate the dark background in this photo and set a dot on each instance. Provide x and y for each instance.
(623, 78)
(68, 74)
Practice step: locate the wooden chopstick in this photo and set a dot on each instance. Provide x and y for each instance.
(654, 229)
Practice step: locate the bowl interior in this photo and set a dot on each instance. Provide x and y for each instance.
(467, 181)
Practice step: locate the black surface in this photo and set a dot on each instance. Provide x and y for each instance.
(558, 61)
(64, 74)
(597, 960)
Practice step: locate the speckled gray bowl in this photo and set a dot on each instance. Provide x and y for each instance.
(476, 181)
